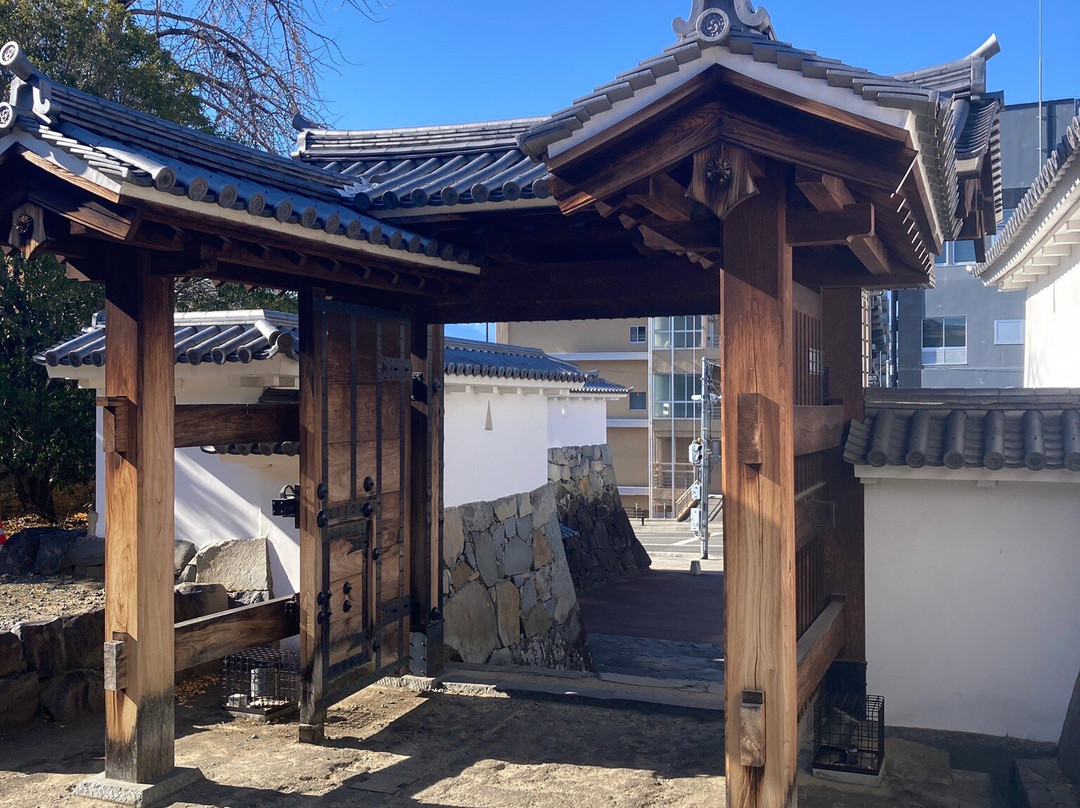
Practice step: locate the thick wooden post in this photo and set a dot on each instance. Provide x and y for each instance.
(844, 345)
(759, 502)
(313, 668)
(139, 473)
(425, 505)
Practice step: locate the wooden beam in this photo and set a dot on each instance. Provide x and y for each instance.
(818, 648)
(759, 514)
(830, 194)
(811, 228)
(818, 429)
(139, 524)
(425, 503)
(313, 553)
(813, 513)
(214, 636)
(217, 424)
(663, 197)
(843, 344)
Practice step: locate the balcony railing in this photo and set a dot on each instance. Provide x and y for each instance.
(669, 476)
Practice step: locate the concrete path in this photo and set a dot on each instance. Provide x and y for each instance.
(658, 659)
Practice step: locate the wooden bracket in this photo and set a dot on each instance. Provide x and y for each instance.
(28, 229)
(118, 426)
(116, 665)
(752, 729)
(723, 178)
(751, 415)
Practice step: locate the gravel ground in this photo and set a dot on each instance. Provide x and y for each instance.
(33, 597)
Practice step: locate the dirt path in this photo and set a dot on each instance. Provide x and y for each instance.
(441, 750)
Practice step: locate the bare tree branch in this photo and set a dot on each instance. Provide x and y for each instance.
(257, 62)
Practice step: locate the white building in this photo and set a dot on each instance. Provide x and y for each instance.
(505, 407)
(972, 502)
(1038, 251)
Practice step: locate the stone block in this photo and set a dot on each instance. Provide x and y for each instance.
(510, 527)
(477, 515)
(508, 612)
(43, 644)
(248, 597)
(542, 555)
(183, 553)
(471, 630)
(88, 552)
(528, 595)
(84, 637)
(187, 575)
(56, 550)
(485, 558)
(72, 694)
(557, 456)
(12, 658)
(137, 795)
(460, 576)
(562, 589)
(554, 473)
(18, 554)
(505, 508)
(501, 656)
(536, 621)
(524, 504)
(18, 699)
(198, 600)
(453, 535)
(238, 565)
(518, 558)
(605, 455)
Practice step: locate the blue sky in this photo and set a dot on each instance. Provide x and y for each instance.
(449, 61)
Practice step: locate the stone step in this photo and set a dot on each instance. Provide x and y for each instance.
(1040, 784)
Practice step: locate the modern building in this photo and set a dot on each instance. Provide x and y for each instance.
(650, 431)
(962, 333)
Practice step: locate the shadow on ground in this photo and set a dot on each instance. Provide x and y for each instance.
(392, 747)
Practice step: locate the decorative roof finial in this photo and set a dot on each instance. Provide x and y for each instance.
(714, 20)
(29, 90)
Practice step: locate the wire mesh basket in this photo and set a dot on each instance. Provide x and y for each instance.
(849, 733)
(262, 682)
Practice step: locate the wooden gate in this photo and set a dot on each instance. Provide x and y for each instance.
(355, 391)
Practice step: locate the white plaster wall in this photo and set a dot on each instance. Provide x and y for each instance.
(482, 464)
(576, 422)
(972, 604)
(1052, 327)
(220, 498)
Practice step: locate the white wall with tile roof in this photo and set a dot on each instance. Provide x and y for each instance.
(972, 605)
(1052, 327)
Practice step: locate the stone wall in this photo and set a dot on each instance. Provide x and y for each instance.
(508, 594)
(588, 501)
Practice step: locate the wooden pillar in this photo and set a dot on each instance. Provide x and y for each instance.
(139, 472)
(426, 518)
(844, 344)
(759, 501)
(313, 666)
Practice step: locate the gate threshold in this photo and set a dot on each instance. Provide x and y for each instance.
(496, 681)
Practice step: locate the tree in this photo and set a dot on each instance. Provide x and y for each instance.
(256, 63)
(46, 427)
(96, 46)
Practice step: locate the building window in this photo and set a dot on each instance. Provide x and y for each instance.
(637, 401)
(673, 395)
(1008, 332)
(677, 332)
(944, 341)
(638, 335)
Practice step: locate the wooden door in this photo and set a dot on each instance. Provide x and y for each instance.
(355, 406)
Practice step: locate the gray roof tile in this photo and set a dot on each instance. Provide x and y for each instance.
(958, 429)
(138, 148)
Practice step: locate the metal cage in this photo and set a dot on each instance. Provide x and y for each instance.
(849, 733)
(262, 682)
